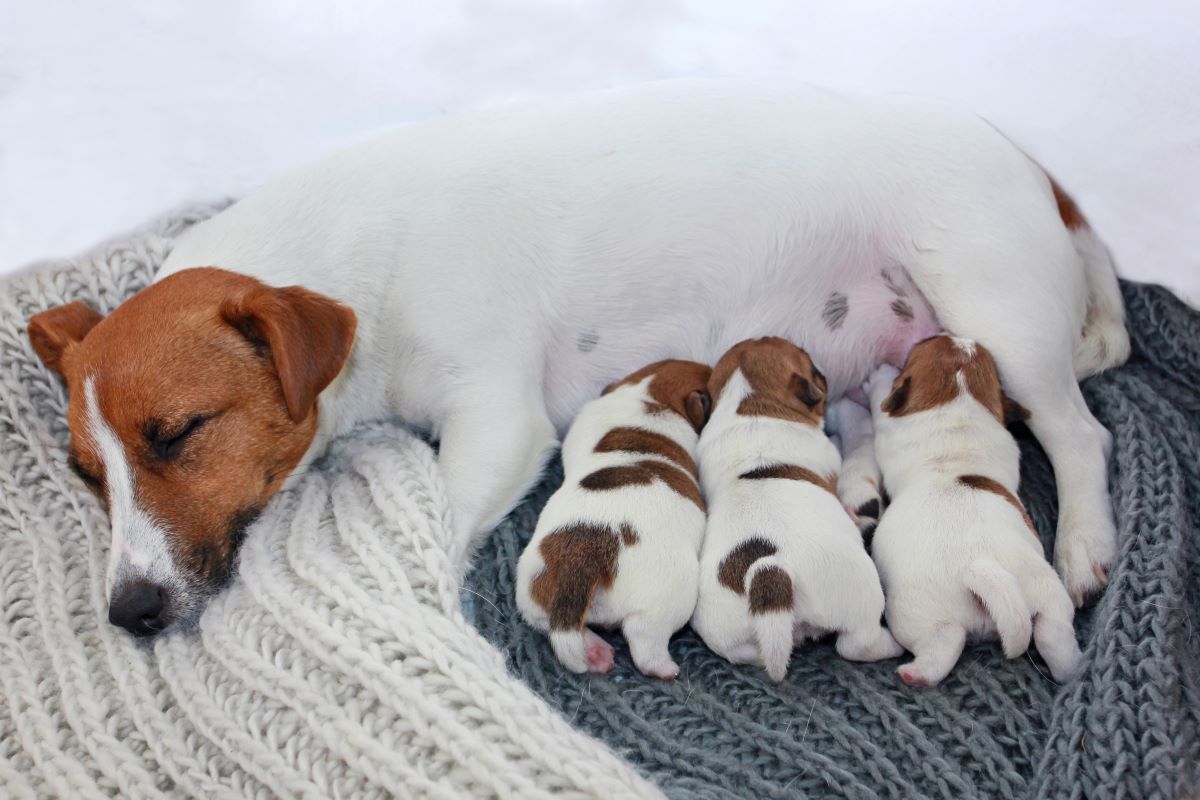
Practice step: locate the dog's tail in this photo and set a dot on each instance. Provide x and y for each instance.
(1104, 341)
(772, 599)
(570, 598)
(1003, 601)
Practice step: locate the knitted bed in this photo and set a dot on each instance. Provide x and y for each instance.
(343, 663)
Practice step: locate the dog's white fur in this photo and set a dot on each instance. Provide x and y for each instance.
(835, 585)
(654, 591)
(940, 545)
(504, 264)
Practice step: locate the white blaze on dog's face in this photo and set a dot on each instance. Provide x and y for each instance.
(188, 408)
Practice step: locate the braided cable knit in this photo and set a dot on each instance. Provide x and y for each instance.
(339, 664)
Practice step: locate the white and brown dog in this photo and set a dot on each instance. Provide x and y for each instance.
(957, 552)
(782, 560)
(618, 544)
(481, 276)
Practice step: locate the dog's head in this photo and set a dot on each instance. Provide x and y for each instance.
(675, 386)
(783, 381)
(940, 369)
(188, 407)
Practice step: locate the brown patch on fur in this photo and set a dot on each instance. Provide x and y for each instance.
(784, 383)
(629, 536)
(930, 379)
(732, 572)
(644, 442)
(770, 590)
(579, 559)
(985, 484)
(644, 473)
(792, 472)
(170, 355)
(679, 386)
(902, 309)
(1071, 216)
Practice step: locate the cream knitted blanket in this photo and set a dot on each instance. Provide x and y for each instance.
(338, 665)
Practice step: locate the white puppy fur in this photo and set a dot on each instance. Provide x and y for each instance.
(618, 543)
(782, 560)
(503, 264)
(956, 551)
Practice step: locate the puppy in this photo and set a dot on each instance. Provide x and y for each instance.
(957, 552)
(618, 543)
(781, 560)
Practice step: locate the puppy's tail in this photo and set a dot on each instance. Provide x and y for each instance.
(1003, 601)
(771, 594)
(570, 649)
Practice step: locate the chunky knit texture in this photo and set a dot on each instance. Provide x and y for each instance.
(1128, 728)
(339, 665)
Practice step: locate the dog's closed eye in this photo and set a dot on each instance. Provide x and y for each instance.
(167, 443)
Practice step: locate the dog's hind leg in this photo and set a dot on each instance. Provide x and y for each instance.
(1053, 625)
(647, 640)
(936, 655)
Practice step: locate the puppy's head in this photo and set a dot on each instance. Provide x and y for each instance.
(940, 369)
(188, 407)
(675, 386)
(783, 381)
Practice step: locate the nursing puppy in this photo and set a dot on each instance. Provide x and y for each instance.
(957, 552)
(782, 560)
(618, 543)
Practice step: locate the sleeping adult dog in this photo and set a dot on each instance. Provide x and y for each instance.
(482, 276)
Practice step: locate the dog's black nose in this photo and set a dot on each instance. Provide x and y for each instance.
(138, 608)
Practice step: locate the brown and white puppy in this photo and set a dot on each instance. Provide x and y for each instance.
(957, 552)
(618, 543)
(186, 440)
(782, 560)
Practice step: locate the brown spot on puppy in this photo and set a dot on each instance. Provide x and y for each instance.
(770, 590)
(985, 484)
(1067, 210)
(579, 560)
(931, 379)
(792, 472)
(732, 572)
(784, 383)
(644, 473)
(644, 442)
(679, 386)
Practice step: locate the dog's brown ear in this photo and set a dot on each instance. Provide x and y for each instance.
(1014, 412)
(54, 331)
(698, 406)
(898, 399)
(808, 392)
(307, 336)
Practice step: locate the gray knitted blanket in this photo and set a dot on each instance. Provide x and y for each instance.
(1129, 728)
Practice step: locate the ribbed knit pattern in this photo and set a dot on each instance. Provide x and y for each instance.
(994, 729)
(339, 664)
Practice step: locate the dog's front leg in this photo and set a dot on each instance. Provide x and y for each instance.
(859, 483)
(493, 447)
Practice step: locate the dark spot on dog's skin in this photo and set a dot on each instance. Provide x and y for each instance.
(836, 309)
(732, 572)
(770, 590)
(643, 473)
(902, 309)
(587, 341)
(869, 509)
(791, 472)
(891, 284)
(644, 442)
(868, 536)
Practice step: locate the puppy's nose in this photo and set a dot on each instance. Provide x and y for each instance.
(138, 608)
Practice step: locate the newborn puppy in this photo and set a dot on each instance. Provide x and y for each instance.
(618, 543)
(782, 560)
(956, 550)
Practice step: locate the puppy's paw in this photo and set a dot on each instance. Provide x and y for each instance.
(599, 653)
(666, 671)
(914, 677)
(1084, 552)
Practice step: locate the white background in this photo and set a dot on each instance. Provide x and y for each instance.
(111, 113)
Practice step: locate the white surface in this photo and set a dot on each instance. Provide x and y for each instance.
(112, 113)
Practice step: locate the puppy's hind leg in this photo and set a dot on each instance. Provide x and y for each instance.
(647, 638)
(936, 655)
(859, 482)
(868, 644)
(1053, 626)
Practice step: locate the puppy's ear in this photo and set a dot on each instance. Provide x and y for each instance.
(306, 335)
(56, 330)
(898, 399)
(808, 392)
(699, 408)
(1014, 412)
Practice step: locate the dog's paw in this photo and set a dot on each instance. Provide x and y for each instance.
(599, 654)
(914, 677)
(1084, 552)
(666, 671)
(862, 499)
